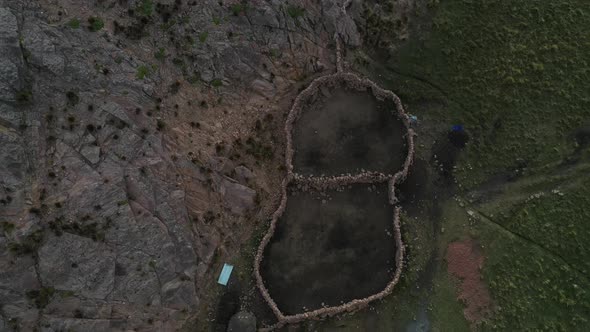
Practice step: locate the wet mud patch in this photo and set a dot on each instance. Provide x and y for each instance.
(331, 248)
(347, 131)
(464, 261)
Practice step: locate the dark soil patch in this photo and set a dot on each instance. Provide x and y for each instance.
(229, 304)
(458, 138)
(415, 193)
(445, 153)
(236, 296)
(582, 136)
(331, 249)
(346, 132)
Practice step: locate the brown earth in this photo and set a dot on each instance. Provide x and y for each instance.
(465, 261)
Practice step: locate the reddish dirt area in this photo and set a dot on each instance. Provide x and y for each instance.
(465, 261)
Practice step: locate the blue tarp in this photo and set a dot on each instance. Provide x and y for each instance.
(457, 128)
(225, 273)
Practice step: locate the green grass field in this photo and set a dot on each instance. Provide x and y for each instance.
(516, 74)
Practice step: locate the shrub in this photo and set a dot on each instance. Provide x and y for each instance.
(90, 230)
(160, 54)
(41, 297)
(95, 24)
(160, 125)
(203, 36)
(238, 8)
(146, 7)
(216, 83)
(73, 98)
(295, 11)
(74, 23)
(7, 227)
(142, 72)
(28, 245)
(24, 96)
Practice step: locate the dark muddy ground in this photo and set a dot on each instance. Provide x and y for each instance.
(354, 251)
(331, 249)
(346, 132)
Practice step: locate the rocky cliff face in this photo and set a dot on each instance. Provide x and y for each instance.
(139, 140)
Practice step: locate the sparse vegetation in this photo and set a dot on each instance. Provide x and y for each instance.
(73, 98)
(203, 36)
(90, 230)
(24, 96)
(7, 227)
(295, 11)
(28, 245)
(74, 23)
(95, 24)
(146, 7)
(160, 54)
(258, 149)
(160, 125)
(41, 297)
(142, 72)
(238, 8)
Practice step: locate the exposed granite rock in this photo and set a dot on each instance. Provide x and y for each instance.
(237, 198)
(243, 174)
(74, 263)
(121, 175)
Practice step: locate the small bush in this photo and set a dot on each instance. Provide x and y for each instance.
(78, 313)
(237, 9)
(203, 36)
(146, 7)
(216, 83)
(95, 24)
(259, 150)
(90, 230)
(41, 297)
(160, 125)
(74, 23)
(142, 72)
(7, 227)
(295, 11)
(24, 96)
(73, 98)
(28, 245)
(160, 54)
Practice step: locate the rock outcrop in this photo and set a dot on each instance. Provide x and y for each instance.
(123, 167)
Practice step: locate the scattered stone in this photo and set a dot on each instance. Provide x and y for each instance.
(243, 321)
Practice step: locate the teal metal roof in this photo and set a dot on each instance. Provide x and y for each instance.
(225, 273)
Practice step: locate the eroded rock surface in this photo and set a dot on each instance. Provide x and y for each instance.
(131, 156)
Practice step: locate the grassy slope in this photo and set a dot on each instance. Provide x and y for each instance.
(538, 260)
(518, 72)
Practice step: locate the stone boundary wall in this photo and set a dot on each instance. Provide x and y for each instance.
(307, 97)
